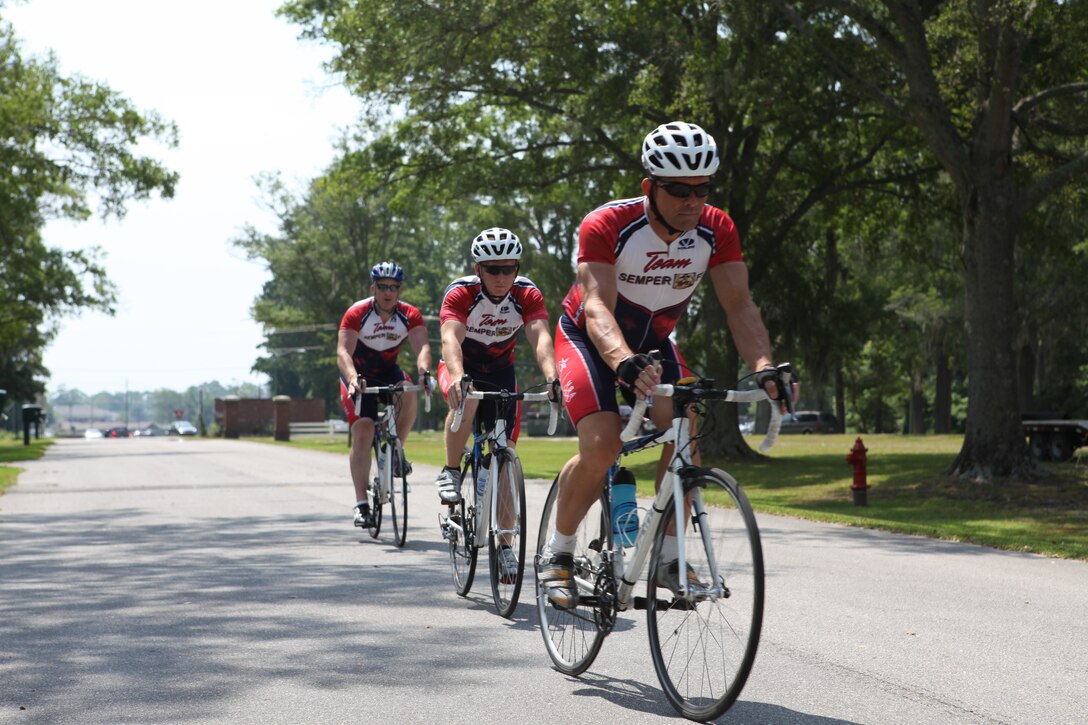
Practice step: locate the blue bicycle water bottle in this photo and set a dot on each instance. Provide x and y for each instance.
(624, 510)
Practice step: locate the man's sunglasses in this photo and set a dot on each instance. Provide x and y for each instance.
(387, 287)
(497, 269)
(682, 191)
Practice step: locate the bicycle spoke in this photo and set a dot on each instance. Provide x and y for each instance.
(573, 637)
(703, 644)
(510, 517)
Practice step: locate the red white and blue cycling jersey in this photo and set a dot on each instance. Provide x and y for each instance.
(654, 284)
(654, 279)
(491, 328)
(375, 353)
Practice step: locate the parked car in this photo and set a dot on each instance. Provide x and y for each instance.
(92, 433)
(810, 421)
(117, 431)
(183, 428)
(151, 430)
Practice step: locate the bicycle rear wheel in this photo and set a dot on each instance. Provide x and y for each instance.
(510, 518)
(398, 492)
(462, 533)
(703, 645)
(573, 637)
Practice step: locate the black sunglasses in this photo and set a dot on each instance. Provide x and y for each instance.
(387, 287)
(497, 269)
(682, 191)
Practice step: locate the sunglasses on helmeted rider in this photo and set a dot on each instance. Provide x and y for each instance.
(498, 269)
(387, 287)
(682, 191)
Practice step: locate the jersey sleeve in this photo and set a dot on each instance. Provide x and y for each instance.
(456, 304)
(353, 318)
(415, 317)
(726, 239)
(532, 306)
(597, 239)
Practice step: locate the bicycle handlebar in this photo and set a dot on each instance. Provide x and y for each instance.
(410, 388)
(553, 419)
(733, 396)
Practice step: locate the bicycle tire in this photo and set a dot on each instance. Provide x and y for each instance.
(398, 493)
(510, 505)
(463, 549)
(703, 647)
(374, 493)
(573, 637)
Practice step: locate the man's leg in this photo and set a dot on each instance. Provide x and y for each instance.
(583, 476)
(362, 436)
(449, 480)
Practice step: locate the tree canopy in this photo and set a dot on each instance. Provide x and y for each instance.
(67, 149)
(866, 146)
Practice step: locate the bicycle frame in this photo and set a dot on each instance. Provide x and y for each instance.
(499, 442)
(671, 489)
(386, 433)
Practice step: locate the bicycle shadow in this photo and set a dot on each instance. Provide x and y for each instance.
(646, 698)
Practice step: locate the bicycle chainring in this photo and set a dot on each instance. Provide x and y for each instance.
(604, 590)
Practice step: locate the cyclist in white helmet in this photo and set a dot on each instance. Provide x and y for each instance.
(481, 315)
(371, 334)
(639, 261)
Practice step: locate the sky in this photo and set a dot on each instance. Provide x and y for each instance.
(248, 97)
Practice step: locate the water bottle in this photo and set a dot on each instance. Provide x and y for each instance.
(481, 475)
(381, 460)
(624, 510)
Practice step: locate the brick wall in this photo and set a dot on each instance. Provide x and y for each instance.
(255, 415)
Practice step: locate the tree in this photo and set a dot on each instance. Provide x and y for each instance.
(542, 107)
(997, 88)
(64, 141)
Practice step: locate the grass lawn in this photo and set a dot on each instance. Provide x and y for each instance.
(13, 450)
(808, 477)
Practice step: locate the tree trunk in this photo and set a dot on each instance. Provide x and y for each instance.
(1025, 376)
(994, 440)
(917, 422)
(840, 399)
(723, 439)
(942, 397)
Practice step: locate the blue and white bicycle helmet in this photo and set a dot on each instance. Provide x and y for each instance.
(679, 149)
(496, 243)
(387, 270)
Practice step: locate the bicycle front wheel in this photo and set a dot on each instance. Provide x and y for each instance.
(573, 637)
(462, 533)
(398, 492)
(704, 643)
(508, 533)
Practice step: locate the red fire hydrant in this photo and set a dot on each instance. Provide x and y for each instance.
(860, 486)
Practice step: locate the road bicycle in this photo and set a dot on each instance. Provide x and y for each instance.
(703, 639)
(492, 505)
(390, 480)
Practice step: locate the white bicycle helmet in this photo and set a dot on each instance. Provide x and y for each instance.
(387, 270)
(495, 243)
(679, 149)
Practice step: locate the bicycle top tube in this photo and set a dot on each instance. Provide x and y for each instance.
(683, 394)
(395, 388)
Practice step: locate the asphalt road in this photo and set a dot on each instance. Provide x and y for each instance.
(185, 580)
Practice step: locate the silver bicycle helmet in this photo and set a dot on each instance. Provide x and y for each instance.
(387, 270)
(496, 243)
(679, 149)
